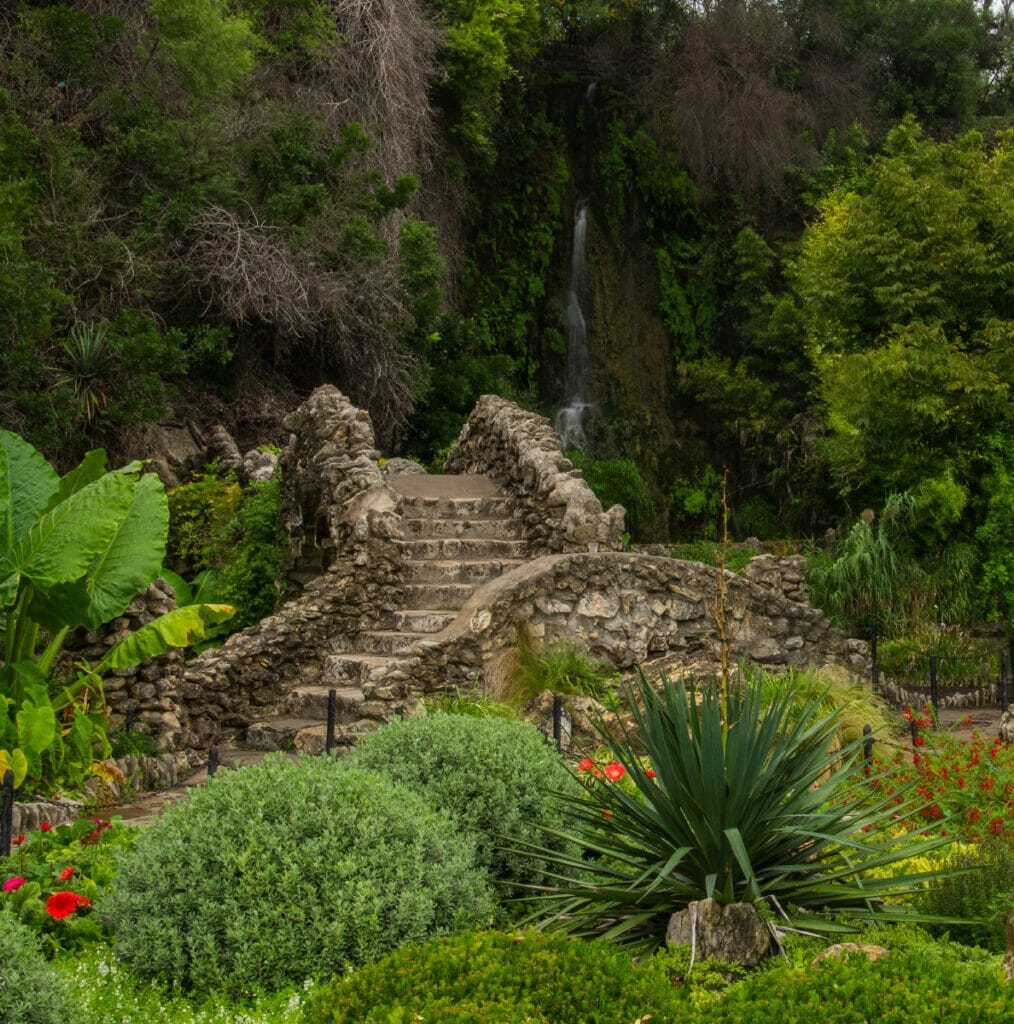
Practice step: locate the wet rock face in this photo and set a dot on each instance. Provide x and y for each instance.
(523, 454)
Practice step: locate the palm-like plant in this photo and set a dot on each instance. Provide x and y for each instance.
(745, 801)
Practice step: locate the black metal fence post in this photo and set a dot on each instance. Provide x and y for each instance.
(868, 749)
(7, 814)
(332, 718)
(212, 761)
(558, 722)
(875, 670)
(1004, 668)
(934, 695)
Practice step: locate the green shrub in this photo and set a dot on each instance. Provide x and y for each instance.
(900, 987)
(498, 978)
(287, 870)
(498, 778)
(709, 552)
(984, 895)
(563, 668)
(30, 990)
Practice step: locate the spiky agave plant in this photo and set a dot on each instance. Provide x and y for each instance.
(752, 805)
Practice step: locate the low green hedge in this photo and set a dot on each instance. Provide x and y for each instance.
(288, 870)
(498, 978)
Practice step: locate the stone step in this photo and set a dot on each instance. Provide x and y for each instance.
(465, 548)
(437, 596)
(387, 641)
(351, 668)
(277, 733)
(456, 508)
(312, 739)
(453, 486)
(459, 570)
(422, 620)
(311, 702)
(484, 529)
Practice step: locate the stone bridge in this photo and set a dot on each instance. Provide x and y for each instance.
(403, 585)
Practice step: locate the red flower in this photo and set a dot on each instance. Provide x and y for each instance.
(13, 884)
(614, 771)
(62, 904)
(920, 741)
(996, 826)
(973, 815)
(650, 773)
(66, 873)
(606, 813)
(18, 839)
(587, 765)
(45, 827)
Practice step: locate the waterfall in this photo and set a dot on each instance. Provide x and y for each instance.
(569, 421)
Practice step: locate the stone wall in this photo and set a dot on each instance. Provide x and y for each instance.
(523, 454)
(626, 609)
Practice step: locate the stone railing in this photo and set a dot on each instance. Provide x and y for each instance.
(625, 609)
(336, 503)
(523, 454)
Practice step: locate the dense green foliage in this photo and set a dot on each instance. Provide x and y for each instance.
(206, 208)
(74, 551)
(234, 537)
(945, 985)
(497, 778)
(31, 991)
(289, 870)
(487, 977)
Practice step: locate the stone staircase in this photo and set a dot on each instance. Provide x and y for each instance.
(459, 532)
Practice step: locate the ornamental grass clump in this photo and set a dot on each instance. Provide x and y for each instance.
(290, 870)
(744, 801)
(497, 778)
(31, 991)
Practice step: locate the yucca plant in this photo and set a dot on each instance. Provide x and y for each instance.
(744, 801)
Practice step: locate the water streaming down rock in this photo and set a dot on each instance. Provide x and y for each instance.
(569, 421)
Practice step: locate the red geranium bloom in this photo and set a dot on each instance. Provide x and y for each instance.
(13, 884)
(614, 771)
(45, 827)
(62, 904)
(587, 765)
(18, 839)
(66, 873)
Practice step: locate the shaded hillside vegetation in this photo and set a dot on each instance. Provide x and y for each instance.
(800, 236)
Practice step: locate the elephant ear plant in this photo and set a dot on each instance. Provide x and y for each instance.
(744, 801)
(74, 550)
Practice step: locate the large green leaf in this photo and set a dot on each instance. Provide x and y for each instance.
(36, 727)
(15, 761)
(91, 468)
(27, 483)
(63, 542)
(132, 557)
(178, 628)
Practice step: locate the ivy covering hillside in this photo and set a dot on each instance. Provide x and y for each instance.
(207, 207)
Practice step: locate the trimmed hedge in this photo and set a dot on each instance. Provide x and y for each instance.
(496, 777)
(287, 870)
(498, 978)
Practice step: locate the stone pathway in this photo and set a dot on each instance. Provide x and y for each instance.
(460, 531)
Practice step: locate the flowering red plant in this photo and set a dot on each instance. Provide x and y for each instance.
(64, 903)
(971, 782)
